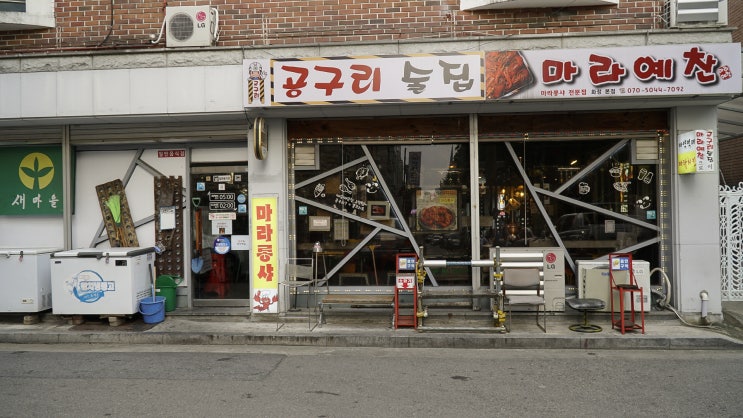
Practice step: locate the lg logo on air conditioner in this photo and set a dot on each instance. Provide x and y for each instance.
(201, 19)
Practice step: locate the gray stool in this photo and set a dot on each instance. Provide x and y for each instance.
(585, 305)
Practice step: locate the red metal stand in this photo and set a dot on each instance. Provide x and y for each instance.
(620, 264)
(405, 284)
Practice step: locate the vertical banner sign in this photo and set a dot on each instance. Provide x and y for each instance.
(705, 151)
(31, 181)
(264, 255)
(687, 159)
(696, 152)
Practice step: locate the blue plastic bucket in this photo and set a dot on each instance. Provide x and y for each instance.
(153, 311)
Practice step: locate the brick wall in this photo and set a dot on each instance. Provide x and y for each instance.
(731, 155)
(731, 151)
(735, 18)
(86, 24)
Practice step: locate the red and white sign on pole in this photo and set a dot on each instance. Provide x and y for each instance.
(406, 281)
(406, 313)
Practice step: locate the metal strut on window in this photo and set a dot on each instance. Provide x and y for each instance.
(343, 242)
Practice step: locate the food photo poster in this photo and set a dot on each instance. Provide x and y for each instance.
(436, 210)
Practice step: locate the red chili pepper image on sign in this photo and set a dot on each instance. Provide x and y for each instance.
(506, 73)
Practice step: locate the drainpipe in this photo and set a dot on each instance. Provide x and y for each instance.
(704, 296)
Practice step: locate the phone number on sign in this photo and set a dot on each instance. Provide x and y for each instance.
(643, 90)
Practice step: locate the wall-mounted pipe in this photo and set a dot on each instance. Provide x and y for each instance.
(704, 296)
(665, 302)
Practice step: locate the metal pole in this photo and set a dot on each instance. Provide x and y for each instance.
(446, 263)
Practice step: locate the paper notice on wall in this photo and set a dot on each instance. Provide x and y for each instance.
(705, 151)
(222, 227)
(687, 160)
(241, 242)
(696, 152)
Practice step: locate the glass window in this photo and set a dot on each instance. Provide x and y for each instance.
(587, 192)
(367, 203)
(12, 6)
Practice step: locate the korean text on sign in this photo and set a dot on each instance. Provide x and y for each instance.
(380, 78)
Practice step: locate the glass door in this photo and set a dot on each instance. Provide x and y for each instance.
(220, 221)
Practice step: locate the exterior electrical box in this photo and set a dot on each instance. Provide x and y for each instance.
(191, 26)
(551, 264)
(593, 282)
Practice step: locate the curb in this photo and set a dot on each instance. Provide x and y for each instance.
(732, 318)
(443, 340)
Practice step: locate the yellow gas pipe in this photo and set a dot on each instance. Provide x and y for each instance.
(498, 314)
(420, 274)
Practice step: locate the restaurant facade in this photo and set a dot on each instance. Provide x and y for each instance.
(349, 154)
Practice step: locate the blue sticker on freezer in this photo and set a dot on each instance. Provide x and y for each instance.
(88, 286)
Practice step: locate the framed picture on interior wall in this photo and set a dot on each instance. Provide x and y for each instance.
(378, 210)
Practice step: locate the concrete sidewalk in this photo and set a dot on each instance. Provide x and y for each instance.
(213, 326)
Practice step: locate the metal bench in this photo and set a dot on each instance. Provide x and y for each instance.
(355, 301)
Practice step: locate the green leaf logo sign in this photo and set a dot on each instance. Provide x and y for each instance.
(36, 171)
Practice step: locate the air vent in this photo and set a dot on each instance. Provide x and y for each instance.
(681, 13)
(181, 27)
(530, 4)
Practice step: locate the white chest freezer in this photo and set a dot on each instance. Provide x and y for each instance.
(593, 282)
(25, 280)
(101, 281)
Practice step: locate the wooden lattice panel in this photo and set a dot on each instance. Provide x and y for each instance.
(124, 233)
(169, 192)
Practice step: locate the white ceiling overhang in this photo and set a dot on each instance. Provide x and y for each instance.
(527, 4)
(730, 120)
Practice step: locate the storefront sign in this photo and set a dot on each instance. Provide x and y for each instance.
(371, 79)
(32, 181)
(171, 153)
(264, 256)
(643, 71)
(648, 71)
(696, 152)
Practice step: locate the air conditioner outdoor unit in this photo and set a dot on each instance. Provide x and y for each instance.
(696, 12)
(191, 26)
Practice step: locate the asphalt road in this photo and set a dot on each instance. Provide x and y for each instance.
(269, 381)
